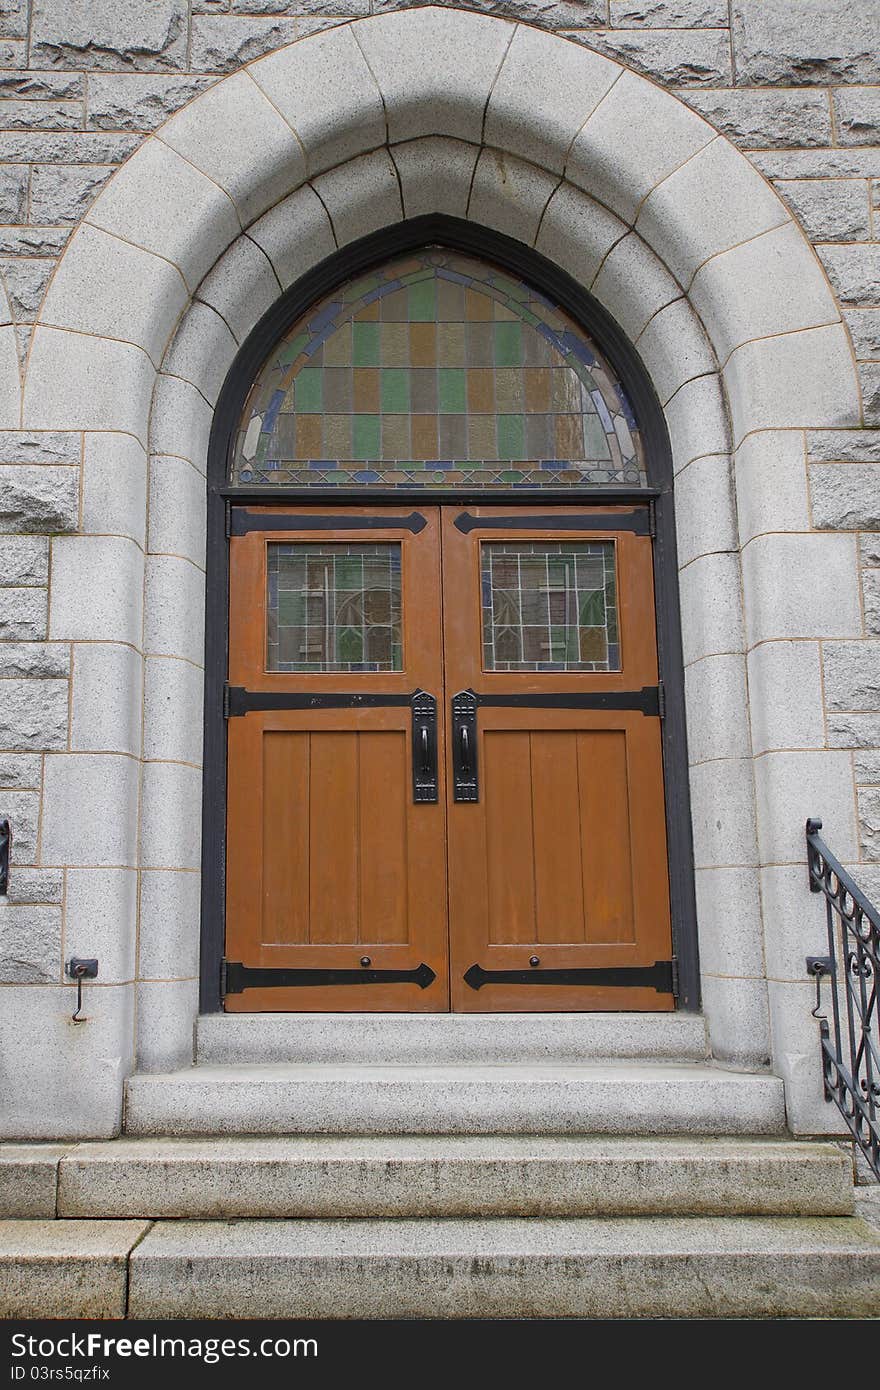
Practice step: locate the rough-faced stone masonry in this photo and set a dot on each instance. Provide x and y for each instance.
(794, 83)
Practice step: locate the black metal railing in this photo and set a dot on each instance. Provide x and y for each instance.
(851, 1057)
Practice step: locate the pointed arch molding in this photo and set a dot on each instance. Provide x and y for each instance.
(318, 144)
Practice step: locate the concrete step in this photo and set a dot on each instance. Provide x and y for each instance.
(66, 1269)
(602, 1098)
(446, 1039)
(500, 1267)
(497, 1175)
(508, 1268)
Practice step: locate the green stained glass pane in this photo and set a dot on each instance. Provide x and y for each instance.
(366, 344)
(308, 391)
(423, 302)
(349, 572)
(356, 289)
(595, 439)
(593, 609)
(290, 609)
(366, 432)
(452, 384)
(333, 607)
(536, 614)
(512, 288)
(508, 344)
(395, 391)
(511, 436)
(349, 644)
(292, 349)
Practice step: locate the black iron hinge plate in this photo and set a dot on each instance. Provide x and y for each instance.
(235, 977)
(662, 976)
(638, 521)
(238, 701)
(243, 521)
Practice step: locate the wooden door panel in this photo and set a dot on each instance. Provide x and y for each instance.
(285, 839)
(331, 809)
(579, 878)
(509, 854)
(329, 869)
(331, 859)
(606, 835)
(558, 847)
(560, 864)
(556, 822)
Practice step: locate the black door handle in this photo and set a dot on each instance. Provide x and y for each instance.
(424, 746)
(465, 782)
(426, 751)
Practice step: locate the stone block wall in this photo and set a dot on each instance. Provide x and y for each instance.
(794, 83)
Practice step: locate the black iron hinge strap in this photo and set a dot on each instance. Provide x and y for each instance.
(239, 701)
(242, 521)
(235, 977)
(661, 976)
(639, 522)
(647, 700)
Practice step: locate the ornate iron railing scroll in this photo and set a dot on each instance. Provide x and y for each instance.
(851, 1041)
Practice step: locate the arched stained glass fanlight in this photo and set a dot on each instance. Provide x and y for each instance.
(437, 370)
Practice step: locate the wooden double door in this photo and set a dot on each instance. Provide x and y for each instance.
(445, 784)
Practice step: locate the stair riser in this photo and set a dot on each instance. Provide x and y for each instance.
(216, 1190)
(545, 1107)
(514, 1286)
(446, 1039)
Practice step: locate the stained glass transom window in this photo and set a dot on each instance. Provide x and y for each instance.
(333, 607)
(437, 370)
(549, 606)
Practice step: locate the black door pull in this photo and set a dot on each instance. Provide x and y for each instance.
(465, 782)
(424, 746)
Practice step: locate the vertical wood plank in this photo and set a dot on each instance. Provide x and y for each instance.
(333, 839)
(384, 803)
(556, 810)
(285, 835)
(606, 841)
(510, 847)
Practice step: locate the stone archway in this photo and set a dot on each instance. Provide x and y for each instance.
(676, 235)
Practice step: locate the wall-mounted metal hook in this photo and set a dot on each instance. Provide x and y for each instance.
(5, 851)
(817, 966)
(79, 969)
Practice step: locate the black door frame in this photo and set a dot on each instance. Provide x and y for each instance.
(510, 255)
